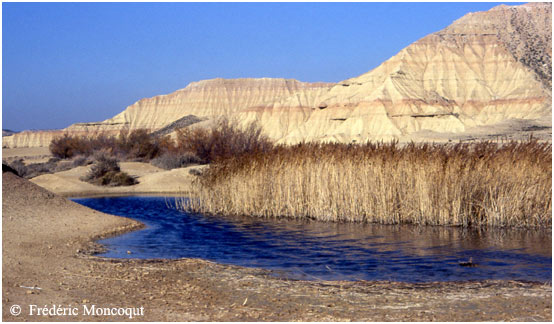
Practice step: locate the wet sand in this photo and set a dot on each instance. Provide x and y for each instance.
(48, 259)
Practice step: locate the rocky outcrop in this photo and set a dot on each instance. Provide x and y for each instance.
(484, 69)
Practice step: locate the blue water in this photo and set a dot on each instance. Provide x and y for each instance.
(328, 251)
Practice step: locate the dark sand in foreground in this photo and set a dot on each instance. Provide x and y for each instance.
(48, 243)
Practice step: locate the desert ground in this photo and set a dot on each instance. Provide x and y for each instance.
(152, 181)
(49, 259)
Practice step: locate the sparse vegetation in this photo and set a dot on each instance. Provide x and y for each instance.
(106, 172)
(483, 184)
(223, 141)
(67, 146)
(171, 160)
(136, 145)
(197, 146)
(35, 169)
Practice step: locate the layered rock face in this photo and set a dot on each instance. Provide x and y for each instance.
(207, 98)
(485, 68)
(42, 138)
(203, 99)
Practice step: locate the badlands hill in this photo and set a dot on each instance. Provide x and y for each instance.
(486, 69)
(202, 100)
(7, 132)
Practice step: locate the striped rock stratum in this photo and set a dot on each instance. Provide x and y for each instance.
(485, 69)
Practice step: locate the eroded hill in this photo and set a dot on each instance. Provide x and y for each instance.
(487, 73)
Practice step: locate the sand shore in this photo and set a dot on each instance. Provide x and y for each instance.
(48, 259)
(152, 181)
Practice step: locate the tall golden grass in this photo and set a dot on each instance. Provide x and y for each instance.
(482, 184)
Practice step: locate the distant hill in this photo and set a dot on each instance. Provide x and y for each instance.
(8, 132)
(484, 69)
(487, 73)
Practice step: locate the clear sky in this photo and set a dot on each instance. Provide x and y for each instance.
(80, 62)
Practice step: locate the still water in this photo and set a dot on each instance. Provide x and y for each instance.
(327, 251)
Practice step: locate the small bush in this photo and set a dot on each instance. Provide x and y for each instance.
(169, 161)
(103, 165)
(113, 179)
(106, 172)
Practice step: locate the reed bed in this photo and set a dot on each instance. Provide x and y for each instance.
(477, 184)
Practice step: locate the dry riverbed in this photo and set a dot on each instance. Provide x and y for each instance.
(48, 259)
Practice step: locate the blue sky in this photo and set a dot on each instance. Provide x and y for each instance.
(80, 62)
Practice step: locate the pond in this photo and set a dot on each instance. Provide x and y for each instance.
(328, 251)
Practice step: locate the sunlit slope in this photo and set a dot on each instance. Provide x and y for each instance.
(485, 68)
(207, 98)
(203, 99)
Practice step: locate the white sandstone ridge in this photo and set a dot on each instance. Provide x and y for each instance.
(203, 99)
(207, 98)
(487, 68)
(40, 138)
(484, 69)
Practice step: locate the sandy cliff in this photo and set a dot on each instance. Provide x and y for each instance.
(484, 69)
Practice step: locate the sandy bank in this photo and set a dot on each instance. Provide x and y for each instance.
(152, 181)
(47, 247)
(29, 154)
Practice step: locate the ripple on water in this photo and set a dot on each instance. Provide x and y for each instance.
(328, 251)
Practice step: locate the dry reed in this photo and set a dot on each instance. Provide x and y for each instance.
(482, 184)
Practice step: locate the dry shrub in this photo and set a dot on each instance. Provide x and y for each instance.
(81, 160)
(67, 146)
(106, 172)
(226, 139)
(136, 145)
(199, 145)
(53, 165)
(19, 167)
(166, 145)
(169, 161)
(36, 169)
(482, 184)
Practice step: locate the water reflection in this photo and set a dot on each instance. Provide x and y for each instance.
(329, 251)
